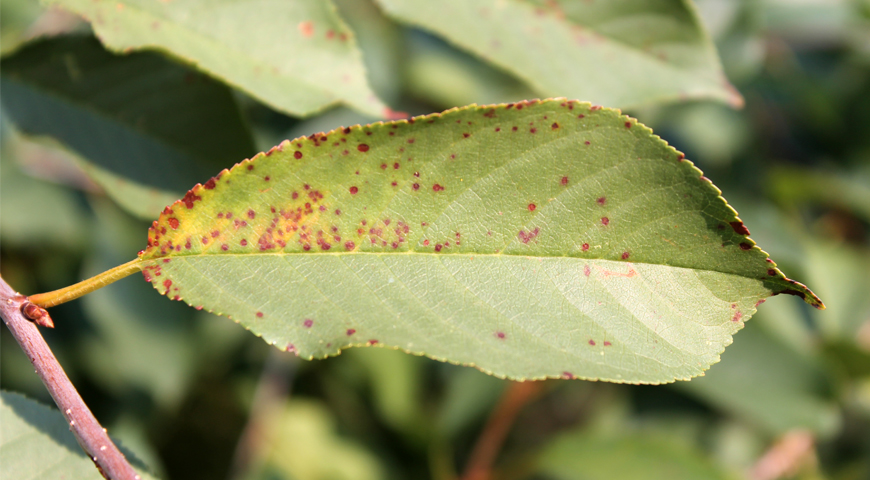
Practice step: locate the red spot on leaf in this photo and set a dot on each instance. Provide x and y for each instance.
(771, 272)
(259, 314)
(554, 126)
(745, 246)
(591, 342)
(607, 343)
(190, 198)
(601, 200)
(532, 207)
(500, 335)
(437, 188)
(349, 245)
(627, 124)
(625, 255)
(737, 316)
(308, 323)
(252, 214)
(527, 237)
(167, 283)
(210, 184)
(297, 154)
(173, 222)
(354, 190)
(605, 221)
(243, 243)
(350, 331)
(564, 181)
(362, 147)
(224, 247)
(739, 228)
(568, 375)
(584, 247)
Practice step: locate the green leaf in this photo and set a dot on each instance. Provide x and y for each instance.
(149, 127)
(653, 51)
(582, 455)
(35, 443)
(301, 442)
(298, 57)
(541, 239)
(768, 384)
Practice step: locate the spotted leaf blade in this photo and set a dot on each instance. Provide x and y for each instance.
(298, 57)
(654, 51)
(541, 239)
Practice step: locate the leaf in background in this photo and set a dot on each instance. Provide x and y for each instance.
(139, 342)
(298, 57)
(447, 77)
(301, 443)
(622, 54)
(36, 444)
(542, 239)
(35, 213)
(586, 456)
(16, 17)
(768, 384)
(140, 119)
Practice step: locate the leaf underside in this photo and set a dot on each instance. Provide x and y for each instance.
(298, 57)
(654, 51)
(539, 239)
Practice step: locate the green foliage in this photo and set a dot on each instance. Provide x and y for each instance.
(35, 443)
(298, 57)
(567, 248)
(619, 53)
(95, 141)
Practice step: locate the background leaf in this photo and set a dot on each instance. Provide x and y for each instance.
(586, 456)
(298, 57)
(147, 126)
(35, 443)
(653, 51)
(569, 248)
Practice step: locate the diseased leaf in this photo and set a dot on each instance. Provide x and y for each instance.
(36, 444)
(539, 239)
(149, 127)
(298, 57)
(653, 51)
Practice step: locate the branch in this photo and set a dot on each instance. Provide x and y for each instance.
(89, 433)
(516, 396)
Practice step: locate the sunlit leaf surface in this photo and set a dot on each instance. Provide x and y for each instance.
(298, 57)
(539, 239)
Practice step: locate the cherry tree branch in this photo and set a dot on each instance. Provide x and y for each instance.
(90, 434)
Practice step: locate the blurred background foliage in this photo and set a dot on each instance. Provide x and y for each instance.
(199, 398)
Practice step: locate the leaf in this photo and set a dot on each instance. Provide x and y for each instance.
(541, 239)
(150, 127)
(653, 51)
(301, 442)
(35, 213)
(298, 57)
(35, 443)
(582, 455)
(771, 386)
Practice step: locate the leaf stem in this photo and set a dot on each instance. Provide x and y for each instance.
(87, 430)
(72, 292)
